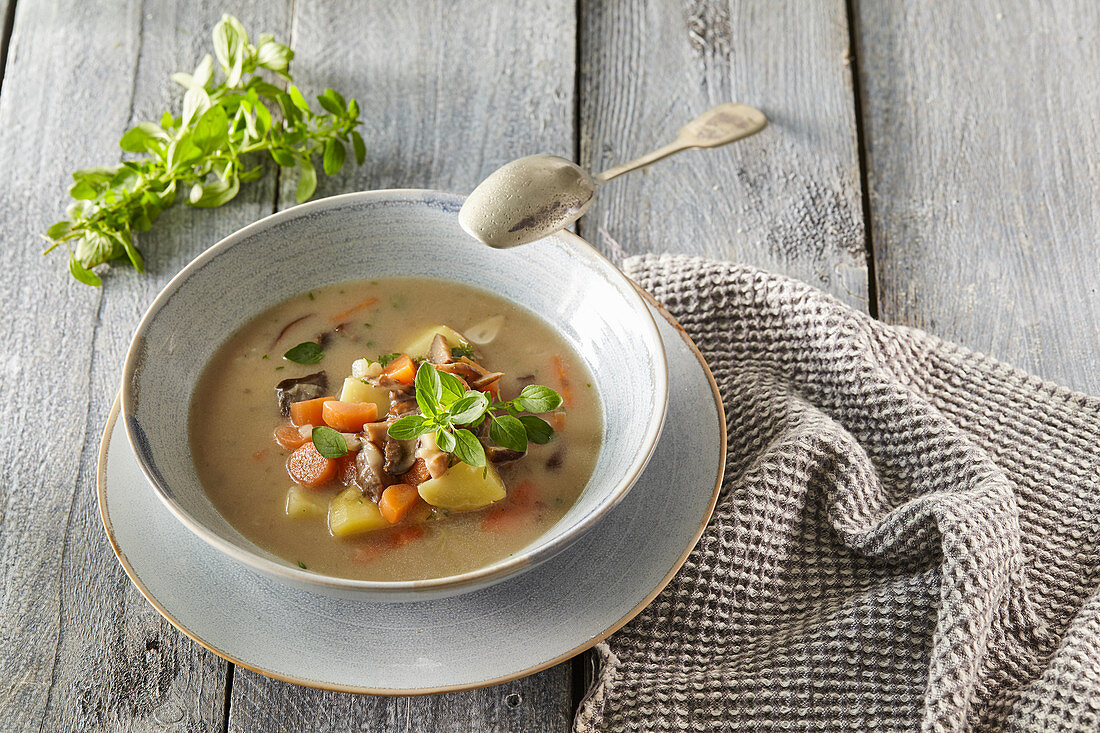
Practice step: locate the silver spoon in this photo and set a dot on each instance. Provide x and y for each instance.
(533, 197)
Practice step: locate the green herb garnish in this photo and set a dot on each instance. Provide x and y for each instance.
(302, 565)
(466, 350)
(385, 359)
(203, 154)
(306, 352)
(449, 411)
(329, 442)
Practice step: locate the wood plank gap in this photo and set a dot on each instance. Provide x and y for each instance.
(861, 148)
(278, 181)
(577, 80)
(5, 38)
(230, 667)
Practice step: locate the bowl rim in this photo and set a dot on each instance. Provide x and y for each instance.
(526, 557)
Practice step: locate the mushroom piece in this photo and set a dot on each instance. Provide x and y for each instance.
(436, 461)
(299, 389)
(484, 332)
(486, 381)
(440, 351)
(368, 471)
(499, 455)
(400, 454)
(376, 432)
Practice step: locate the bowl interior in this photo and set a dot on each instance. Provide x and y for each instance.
(379, 234)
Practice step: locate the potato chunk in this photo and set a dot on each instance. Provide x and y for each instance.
(356, 390)
(303, 503)
(463, 488)
(418, 347)
(351, 513)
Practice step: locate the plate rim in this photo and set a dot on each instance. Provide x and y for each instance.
(101, 499)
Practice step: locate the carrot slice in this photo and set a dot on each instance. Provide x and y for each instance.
(416, 475)
(563, 380)
(348, 417)
(396, 502)
(289, 437)
(309, 468)
(510, 515)
(308, 412)
(401, 370)
(405, 535)
(346, 469)
(354, 309)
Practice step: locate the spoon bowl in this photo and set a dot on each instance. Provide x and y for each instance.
(536, 196)
(527, 199)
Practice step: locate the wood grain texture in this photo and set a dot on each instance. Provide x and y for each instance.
(449, 92)
(787, 199)
(540, 702)
(982, 138)
(82, 650)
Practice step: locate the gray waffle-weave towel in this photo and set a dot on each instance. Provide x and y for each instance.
(908, 537)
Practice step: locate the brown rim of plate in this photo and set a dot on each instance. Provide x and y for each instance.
(101, 470)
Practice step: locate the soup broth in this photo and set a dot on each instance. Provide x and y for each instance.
(235, 410)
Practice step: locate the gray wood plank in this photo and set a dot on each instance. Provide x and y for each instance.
(82, 650)
(787, 199)
(982, 140)
(449, 91)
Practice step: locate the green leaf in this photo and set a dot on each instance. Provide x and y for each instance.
(59, 229)
(536, 398)
(274, 56)
(329, 442)
(211, 132)
(469, 409)
(83, 190)
(282, 157)
(263, 118)
(333, 159)
(296, 97)
(142, 137)
(195, 103)
(468, 448)
(359, 147)
(353, 109)
(83, 274)
(306, 352)
(409, 427)
(332, 102)
(427, 382)
(215, 193)
(224, 42)
(204, 72)
(131, 251)
(444, 439)
(95, 248)
(307, 180)
(452, 388)
(508, 432)
(538, 430)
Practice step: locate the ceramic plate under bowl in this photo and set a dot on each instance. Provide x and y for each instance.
(482, 637)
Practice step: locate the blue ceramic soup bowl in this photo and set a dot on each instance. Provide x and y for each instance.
(378, 234)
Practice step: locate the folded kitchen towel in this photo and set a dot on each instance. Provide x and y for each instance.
(908, 536)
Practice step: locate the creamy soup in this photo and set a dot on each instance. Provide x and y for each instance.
(300, 429)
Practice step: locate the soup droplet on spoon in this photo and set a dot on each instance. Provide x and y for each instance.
(533, 197)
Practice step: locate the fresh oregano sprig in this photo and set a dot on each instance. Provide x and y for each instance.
(449, 410)
(205, 153)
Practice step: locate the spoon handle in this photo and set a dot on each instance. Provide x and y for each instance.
(715, 127)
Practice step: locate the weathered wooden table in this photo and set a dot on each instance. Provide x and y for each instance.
(937, 164)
